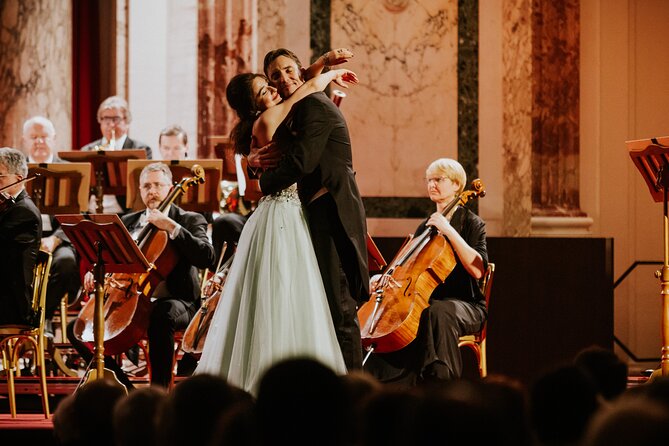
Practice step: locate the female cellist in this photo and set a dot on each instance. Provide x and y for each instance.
(457, 306)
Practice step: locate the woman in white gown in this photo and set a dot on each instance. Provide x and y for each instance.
(273, 305)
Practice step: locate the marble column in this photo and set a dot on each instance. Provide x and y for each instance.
(35, 67)
(224, 50)
(541, 118)
(517, 116)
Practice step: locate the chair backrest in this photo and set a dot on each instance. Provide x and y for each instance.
(40, 280)
(486, 287)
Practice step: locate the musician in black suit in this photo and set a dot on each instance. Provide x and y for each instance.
(114, 118)
(175, 300)
(39, 143)
(317, 155)
(20, 233)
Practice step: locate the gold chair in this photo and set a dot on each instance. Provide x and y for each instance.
(477, 341)
(13, 337)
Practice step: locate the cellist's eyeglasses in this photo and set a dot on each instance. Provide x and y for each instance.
(436, 180)
(158, 186)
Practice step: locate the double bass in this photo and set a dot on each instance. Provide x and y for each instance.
(127, 303)
(389, 319)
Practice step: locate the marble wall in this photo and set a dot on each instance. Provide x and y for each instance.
(403, 114)
(35, 67)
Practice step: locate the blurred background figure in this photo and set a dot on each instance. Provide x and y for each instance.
(114, 118)
(39, 145)
(173, 143)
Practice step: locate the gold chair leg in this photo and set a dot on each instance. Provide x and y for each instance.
(484, 360)
(63, 318)
(8, 362)
(42, 375)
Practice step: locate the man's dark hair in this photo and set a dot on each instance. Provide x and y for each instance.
(272, 55)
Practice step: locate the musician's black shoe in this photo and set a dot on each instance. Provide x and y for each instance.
(186, 365)
(133, 355)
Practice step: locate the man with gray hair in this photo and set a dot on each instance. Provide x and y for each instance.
(20, 233)
(39, 140)
(114, 118)
(39, 145)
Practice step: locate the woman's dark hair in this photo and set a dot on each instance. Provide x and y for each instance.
(240, 97)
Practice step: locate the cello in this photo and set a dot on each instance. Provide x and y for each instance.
(196, 332)
(389, 319)
(127, 303)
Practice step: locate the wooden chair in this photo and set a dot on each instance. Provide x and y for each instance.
(13, 337)
(477, 341)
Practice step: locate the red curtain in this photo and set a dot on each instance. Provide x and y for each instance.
(85, 72)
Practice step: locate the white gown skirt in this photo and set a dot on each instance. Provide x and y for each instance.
(273, 305)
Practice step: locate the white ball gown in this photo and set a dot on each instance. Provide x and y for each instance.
(273, 305)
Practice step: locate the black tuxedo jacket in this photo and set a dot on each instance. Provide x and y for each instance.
(317, 147)
(127, 145)
(20, 234)
(193, 247)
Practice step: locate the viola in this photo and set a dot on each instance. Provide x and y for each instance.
(127, 306)
(196, 333)
(389, 319)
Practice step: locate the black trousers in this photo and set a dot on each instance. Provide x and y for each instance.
(337, 263)
(63, 278)
(167, 316)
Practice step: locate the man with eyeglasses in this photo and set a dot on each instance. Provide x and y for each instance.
(114, 118)
(20, 233)
(176, 299)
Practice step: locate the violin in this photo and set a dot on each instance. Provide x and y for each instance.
(389, 319)
(127, 296)
(196, 333)
(6, 200)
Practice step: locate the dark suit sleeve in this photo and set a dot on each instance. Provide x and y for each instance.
(20, 227)
(313, 123)
(192, 242)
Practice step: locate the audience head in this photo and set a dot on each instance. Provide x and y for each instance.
(562, 402)
(284, 71)
(13, 167)
(86, 416)
(631, 422)
(39, 139)
(136, 417)
(606, 370)
(155, 181)
(193, 407)
(173, 143)
(113, 114)
(300, 400)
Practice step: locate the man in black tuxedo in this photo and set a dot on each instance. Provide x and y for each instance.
(175, 300)
(39, 143)
(20, 233)
(316, 151)
(114, 118)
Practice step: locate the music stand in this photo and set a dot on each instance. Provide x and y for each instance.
(60, 188)
(225, 150)
(198, 198)
(651, 157)
(102, 240)
(375, 260)
(108, 169)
